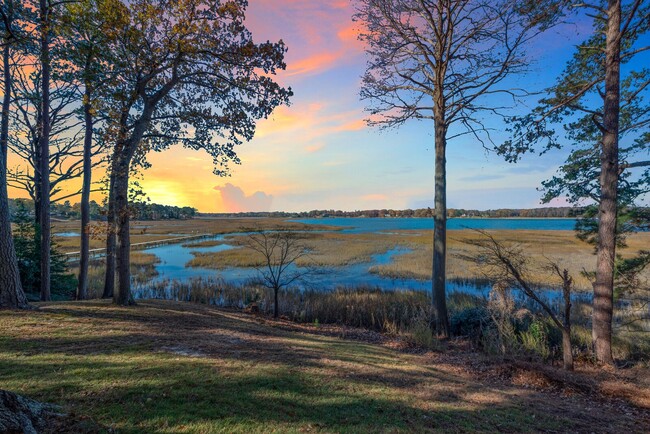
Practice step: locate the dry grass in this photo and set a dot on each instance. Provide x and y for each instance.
(204, 243)
(540, 246)
(340, 249)
(164, 367)
(326, 249)
(142, 231)
(142, 271)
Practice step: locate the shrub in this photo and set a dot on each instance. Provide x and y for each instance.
(470, 322)
(421, 335)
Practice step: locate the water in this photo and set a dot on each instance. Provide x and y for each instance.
(67, 234)
(174, 257)
(386, 225)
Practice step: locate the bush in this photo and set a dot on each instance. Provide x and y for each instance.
(470, 322)
(421, 335)
(26, 241)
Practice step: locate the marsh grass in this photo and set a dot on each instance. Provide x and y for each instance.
(143, 269)
(540, 246)
(370, 308)
(325, 249)
(408, 314)
(341, 249)
(204, 243)
(142, 231)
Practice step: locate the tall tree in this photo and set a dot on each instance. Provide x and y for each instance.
(600, 109)
(65, 161)
(85, 27)
(11, 291)
(44, 31)
(189, 73)
(444, 61)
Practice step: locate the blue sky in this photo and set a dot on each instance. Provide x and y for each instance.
(318, 153)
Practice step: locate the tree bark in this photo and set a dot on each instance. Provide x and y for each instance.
(82, 289)
(567, 350)
(6, 103)
(276, 310)
(44, 146)
(122, 218)
(111, 242)
(11, 290)
(440, 232)
(603, 306)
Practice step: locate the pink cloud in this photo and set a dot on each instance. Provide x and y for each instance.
(319, 34)
(234, 199)
(316, 63)
(375, 197)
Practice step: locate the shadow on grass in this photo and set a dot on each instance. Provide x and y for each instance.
(167, 367)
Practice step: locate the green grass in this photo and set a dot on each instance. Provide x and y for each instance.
(163, 367)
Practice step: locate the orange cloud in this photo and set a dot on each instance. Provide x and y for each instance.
(314, 148)
(318, 62)
(356, 125)
(310, 123)
(375, 197)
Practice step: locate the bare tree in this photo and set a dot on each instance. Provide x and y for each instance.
(444, 61)
(279, 251)
(508, 267)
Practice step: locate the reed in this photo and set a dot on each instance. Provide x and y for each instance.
(407, 314)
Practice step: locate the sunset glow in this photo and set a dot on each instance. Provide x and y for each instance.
(319, 154)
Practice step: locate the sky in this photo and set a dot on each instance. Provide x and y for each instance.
(318, 153)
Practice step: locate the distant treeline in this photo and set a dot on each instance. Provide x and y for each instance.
(551, 212)
(140, 210)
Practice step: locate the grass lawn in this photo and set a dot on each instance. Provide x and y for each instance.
(165, 367)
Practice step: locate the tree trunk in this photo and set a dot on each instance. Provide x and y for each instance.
(567, 352)
(123, 250)
(606, 249)
(11, 290)
(109, 278)
(6, 103)
(44, 146)
(19, 414)
(82, 289)
(440, 233)
(276, 310)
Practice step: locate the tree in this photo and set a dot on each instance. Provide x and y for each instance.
(11, 291)
(508, 266)
(64, 151)
(189, 73)
(28, 254)
(279, 251)
(85, 29)
(442, 60)
(600, 109)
